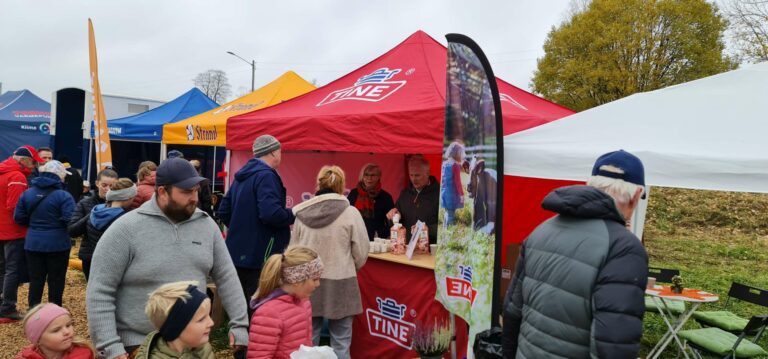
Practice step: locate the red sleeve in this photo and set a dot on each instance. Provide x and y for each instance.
(264, 335)
(456, 168)
(17, 184)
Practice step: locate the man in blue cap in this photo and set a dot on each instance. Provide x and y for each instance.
(579, 283)
(167, 239)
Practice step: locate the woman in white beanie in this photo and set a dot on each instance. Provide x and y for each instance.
(46, 208)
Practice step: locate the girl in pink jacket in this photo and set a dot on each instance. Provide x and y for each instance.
(282, 318)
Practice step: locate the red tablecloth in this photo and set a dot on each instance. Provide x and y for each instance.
(395, 298)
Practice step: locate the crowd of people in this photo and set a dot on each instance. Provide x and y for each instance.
(150, 248)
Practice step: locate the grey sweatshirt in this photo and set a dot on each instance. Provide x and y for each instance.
(143, 250)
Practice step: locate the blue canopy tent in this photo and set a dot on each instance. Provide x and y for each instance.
(148, 126)
(137, 138)
(24, 120)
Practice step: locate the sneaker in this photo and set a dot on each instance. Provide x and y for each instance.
(14, 315)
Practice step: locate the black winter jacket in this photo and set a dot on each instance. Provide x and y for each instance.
(99, 220)
(579, 284)
(77, 225)
(420, 206)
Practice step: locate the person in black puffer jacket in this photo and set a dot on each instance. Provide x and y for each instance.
(119, 200)
(579, 284)
(104, 179)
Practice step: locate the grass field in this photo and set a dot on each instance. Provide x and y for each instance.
(713, 238)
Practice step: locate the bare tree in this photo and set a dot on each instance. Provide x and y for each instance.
(214, 84)
(749, 28)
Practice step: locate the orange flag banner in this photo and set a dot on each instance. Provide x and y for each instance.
(100, 131)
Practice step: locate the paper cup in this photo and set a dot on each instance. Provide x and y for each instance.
(433, 249)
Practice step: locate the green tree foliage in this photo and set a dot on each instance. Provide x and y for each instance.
(615, 48)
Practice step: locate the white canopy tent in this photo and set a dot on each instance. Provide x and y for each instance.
(709, 134)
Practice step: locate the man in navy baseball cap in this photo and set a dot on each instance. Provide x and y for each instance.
(176, 187)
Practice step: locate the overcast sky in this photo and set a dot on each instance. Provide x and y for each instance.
(153, 49)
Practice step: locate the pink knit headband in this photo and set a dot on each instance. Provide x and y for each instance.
(39, 321)
(302, 272)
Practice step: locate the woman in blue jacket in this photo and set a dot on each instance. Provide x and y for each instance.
(46, 208)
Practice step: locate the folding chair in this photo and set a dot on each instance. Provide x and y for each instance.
(663, 276)
(725, 319)
(725, 344)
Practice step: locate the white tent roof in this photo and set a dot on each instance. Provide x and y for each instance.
(710, 133)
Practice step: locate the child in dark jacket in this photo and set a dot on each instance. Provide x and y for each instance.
(119, 198)
(49, 328)
(181, 314)
(46, 208)
(282, 320)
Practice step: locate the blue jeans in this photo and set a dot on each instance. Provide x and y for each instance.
(14, 255)
(341, 334)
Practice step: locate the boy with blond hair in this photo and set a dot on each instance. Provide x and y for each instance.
(181, 314)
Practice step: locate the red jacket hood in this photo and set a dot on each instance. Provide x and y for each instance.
(11, 165)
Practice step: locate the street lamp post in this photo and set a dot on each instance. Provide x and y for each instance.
(253, 68)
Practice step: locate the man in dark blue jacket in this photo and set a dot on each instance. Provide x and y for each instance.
(255, 214)
(580, 277)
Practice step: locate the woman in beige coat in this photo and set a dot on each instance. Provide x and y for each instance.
(336, 231)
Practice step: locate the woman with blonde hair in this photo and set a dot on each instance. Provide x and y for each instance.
(336, 231)
(282, 318)
(145, 179)
(372, 201)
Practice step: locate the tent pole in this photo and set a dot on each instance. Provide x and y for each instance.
(163, 152)
(227, 165)
(90, 158)
(213, 173)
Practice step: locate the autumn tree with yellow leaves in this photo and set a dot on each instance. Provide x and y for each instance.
(614, 48)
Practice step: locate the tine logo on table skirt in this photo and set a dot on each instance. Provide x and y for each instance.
(373, 87)
(388, 323)
(461, 287)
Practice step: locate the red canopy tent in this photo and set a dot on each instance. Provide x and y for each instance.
(382, 111)
(394, 104)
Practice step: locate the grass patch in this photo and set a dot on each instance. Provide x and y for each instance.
(713, 238)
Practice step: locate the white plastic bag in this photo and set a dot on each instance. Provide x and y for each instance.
(305, 352)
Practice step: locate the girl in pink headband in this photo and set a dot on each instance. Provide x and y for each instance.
(49, 328)
(282, 318)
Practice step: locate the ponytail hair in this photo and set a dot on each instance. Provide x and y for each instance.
(331, 178)
(271, 274)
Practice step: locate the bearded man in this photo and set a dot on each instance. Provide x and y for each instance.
(167, 239)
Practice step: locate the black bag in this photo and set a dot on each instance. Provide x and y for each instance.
(488, 344)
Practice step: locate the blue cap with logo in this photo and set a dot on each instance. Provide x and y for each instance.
(634, 172)
(177, 172)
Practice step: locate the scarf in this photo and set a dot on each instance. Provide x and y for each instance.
(366, 199)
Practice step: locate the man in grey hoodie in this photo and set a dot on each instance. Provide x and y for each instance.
(167, 239)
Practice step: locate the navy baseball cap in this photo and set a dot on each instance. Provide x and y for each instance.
(177, 172)
(28, 151)
(634, 172)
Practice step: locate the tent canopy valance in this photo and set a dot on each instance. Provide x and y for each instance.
(24, 120)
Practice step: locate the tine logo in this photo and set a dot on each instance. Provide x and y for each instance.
(461, 287)
(388, 323)
(507, 98)
(373, 87)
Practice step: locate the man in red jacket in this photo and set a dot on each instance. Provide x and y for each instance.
(13, 182)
